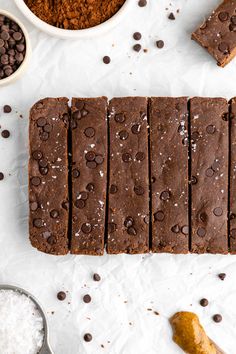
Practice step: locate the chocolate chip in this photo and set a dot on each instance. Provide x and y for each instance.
(171, 16)
(36, 181)
(17, 36)
(83, 195)
(87, 298)
(88, 337)
(223, 47)
(185, 229)
(84, 112)
(217, 318)
(139, 190)
(123, 134)
(75, 173)
(5, 134)
(159, 216)
(46, 234)
(33, 206)
(61, 295)
(222, 276)
(43, 163)
(106, 59)
(175, 229)
(203, 216)
(126, 157)
(119, 118)
(43, 170)
(90, 187)
(201, 232)
(218, 211)
(204, 302)
(1, 176)
(129, 221)
(140, 156)
(7, 109)
(195, 136)
(137, 47)
(89, 132)
(194, 180)
(232, 216)
(209, 172)
(91, 164)
(112, 227)
(37, 155)
(225, 116)
(79, 203)
(77, 116)
(210, 129)
(223, 16)
(131, 231)
(136, 128)
(160, 44)
(65, 205)
(99, 159)
(96, 277)
(233, 20)
(54, 214)
(165, 195)
(142, 3)
(5, 35)
(47, 128)
(86, 228)
(51, 240)
(215, 166)
(90, 156)
(41, 122)
(38, 223)
(113, 189)
(232, 27)
(137, 36)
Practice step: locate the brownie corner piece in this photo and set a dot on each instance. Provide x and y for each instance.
(218, 33)
(48, 176)
(89, 175)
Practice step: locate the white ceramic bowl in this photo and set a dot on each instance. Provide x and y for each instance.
(19, 72)
(74, 34)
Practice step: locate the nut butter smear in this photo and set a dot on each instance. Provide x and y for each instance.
(189, 334)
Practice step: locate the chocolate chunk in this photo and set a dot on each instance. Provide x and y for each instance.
(96, 277)
(87, 298)
(222, 276)
(5, 134)
(106, 60)
(61, 295)
(88, 337)
(217, 318)
(159, 216)
(137, 47)
(204, 302)
(126, 157)
(140, 156)
(137, 36)
(7, 109)
(90, 187)
(171, 16)
(160, 44)
(165, 195)
(142, 3)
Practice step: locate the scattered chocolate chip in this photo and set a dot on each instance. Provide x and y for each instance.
(43, 163)
(159, 216)
(37, 155)
(129, 221)
(204, 302)
(223, 16)
(210, 129)
(131, 231)
(90, 187)
(203, 216)
(112, 227)
(217, 318)
(126, 157)
(218, 211)
(41, 122)
(120, 118)
(113, 189)
(160, 44)
(137, 36)
(201, 232)
(83, 195)
(36, 181)
(75, 173)
(185, 229)
(33, 206)
(5, 134)
(142, 3)
(99, 159)
(175, 229)
(90, 156)
(136, 128)
(123, 134)
(61, 295)
(47, 128)
(79, 203)
(194, 180)
(86, 228)
(91, 164)
(223, 47)
(88, 337)
(87, 298)
(171, 16)
(209, 172)
(89, 132)
(137, 47)
(44, 136)
(43, 170)
(51, 240)
(54, 214)
(165, 195)
(106, 59)
(139, 190)
(65, 205)
(222, 276)
(1, 176)
(7, 109)
(38, 223)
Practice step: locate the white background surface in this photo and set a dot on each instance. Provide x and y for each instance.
(163, 283)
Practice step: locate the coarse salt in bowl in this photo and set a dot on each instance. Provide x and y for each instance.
(75, 34)
(21, 324)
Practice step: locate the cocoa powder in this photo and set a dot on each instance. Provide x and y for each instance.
(74, 14)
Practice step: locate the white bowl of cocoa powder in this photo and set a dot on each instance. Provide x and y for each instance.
(73, 19)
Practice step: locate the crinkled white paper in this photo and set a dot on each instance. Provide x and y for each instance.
(117, 317)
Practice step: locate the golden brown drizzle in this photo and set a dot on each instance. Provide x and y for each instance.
(189, 334)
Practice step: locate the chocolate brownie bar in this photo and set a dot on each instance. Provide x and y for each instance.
(232, 214)
(128, 209)
(89, 174)
(209, 168)
(218, 33)
(169, 174)
(48, 175)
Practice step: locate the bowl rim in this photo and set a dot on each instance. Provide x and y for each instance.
(73, 34)
(24, 64)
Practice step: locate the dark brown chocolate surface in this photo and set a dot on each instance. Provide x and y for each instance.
(218, 33)
(89, 175)
(209, 168)
(128, 214)
(48, 176)
(232, 214)
(169, 174)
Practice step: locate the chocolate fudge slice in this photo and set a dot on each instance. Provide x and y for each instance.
(89, 174)
(232, 214)
(128, 209)
(48, 176)
(218, 33)
(209, 168)
(169, 174)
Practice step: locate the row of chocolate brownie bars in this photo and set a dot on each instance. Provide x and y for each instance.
(139, 170)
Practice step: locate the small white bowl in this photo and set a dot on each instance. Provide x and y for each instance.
(19, 72)
(74, 34)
